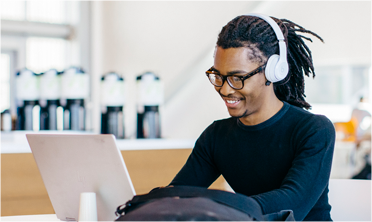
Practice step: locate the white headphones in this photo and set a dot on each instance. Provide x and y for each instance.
(277, 65)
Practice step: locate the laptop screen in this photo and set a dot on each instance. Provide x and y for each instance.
(73, 164)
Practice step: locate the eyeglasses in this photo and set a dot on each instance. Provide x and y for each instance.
(235, 82)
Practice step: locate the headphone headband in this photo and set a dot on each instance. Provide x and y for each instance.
(279, 71)
(278, 33)
(272, 23)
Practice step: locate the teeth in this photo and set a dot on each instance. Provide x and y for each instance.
(231, 101)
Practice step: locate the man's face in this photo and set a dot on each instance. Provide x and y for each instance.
(248, 100)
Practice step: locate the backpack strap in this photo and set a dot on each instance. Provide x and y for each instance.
(237, 201)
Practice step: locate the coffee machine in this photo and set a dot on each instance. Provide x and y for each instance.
(149, 98)
(74, 92)
(112, 104)
(50, 89)
(27, 96)
(6, 121)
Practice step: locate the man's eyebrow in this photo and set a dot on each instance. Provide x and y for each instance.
(214, 69)
(236, 72)
(231, 72)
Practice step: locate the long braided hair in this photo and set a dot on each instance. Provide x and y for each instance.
(257, 34)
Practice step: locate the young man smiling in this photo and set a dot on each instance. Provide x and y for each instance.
(255, 102)
(271, 148)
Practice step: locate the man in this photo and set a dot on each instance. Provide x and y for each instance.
(271, 149)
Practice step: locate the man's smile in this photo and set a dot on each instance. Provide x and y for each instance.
(231, 102)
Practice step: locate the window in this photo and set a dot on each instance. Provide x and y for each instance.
(336, 90)
(47, 11)
(13, 10)
(338, 85)
(57, 12)
(43, 54)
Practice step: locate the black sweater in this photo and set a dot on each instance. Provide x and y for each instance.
(283, 163)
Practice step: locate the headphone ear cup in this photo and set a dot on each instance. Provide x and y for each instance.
(281, 70)
(270, 68)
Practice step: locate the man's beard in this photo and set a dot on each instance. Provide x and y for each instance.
(241, 116)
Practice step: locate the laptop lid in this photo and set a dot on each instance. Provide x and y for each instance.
(72, 164)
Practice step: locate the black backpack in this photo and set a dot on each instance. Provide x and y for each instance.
(188, 203)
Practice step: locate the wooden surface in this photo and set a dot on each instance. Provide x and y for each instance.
(23, 191)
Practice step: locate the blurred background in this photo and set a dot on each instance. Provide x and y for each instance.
(136, 69)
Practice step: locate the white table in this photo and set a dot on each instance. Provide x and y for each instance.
(350, 199)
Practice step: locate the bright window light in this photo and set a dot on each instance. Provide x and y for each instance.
(13, 10)
(47, 11)
(43, 54)
(4, 81)
(57, 12)
(337, 85)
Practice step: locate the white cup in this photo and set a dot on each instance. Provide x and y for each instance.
(88, 207)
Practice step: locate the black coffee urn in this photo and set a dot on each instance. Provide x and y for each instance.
(27, 96)
(74, 91)
(50, 90)
(112, 104)
(149, 98)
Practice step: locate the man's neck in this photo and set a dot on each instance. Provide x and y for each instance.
(265, 112)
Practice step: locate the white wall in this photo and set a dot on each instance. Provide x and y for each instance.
(176, 41)
(345, 27)
(173, 39)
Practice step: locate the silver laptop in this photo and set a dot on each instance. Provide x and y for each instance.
(72, 164)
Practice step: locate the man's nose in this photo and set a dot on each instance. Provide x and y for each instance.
(226, 89)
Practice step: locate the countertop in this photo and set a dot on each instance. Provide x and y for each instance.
(16, 142)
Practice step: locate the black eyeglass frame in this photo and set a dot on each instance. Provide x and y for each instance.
(242, 78)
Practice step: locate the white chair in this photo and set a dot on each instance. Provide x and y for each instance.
(350, 199)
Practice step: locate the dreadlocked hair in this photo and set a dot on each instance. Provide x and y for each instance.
(257, 34)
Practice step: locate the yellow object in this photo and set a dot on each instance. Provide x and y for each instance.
(346, 131)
